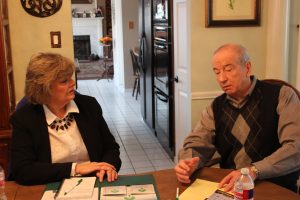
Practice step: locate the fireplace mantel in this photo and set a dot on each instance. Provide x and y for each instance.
(91, 27)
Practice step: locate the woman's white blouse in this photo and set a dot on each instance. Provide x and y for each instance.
(66, 145)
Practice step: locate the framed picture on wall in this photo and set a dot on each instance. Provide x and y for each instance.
(81, 1)
(232, 13)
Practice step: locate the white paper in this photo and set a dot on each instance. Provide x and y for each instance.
(49, 195)
(115, 190)
(77, 188)
(134, 192)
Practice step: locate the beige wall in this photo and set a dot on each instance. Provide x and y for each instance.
(30, 35)
(205, 40)
(130, 38)
(293, 41)
(124, 39)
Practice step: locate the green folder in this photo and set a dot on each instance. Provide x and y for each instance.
(122, 180)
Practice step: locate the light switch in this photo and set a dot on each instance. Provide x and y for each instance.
(55, 39)
(131, 25)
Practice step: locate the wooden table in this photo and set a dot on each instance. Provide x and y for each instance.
(167, 183)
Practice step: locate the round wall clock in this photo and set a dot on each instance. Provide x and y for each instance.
(41, 8)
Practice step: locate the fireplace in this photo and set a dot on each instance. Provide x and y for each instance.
(91, 27)
(82, 47)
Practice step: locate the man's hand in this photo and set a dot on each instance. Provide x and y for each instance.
(228, 181)
(185, 168)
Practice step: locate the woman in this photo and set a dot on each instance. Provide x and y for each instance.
(59, 133)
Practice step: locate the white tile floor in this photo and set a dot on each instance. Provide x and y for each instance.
(140, 150)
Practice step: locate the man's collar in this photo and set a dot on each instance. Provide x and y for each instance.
(253, 83)
(249, 92)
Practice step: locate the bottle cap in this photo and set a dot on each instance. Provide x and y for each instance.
(245, 171)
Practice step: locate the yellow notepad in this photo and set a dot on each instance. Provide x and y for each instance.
(200, 189)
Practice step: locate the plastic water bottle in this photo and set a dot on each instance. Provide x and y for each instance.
(244, 186)
(2, 184)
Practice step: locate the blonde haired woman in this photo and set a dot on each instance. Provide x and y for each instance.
(59, 133)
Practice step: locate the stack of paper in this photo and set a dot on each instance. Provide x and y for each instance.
(202, 189)
(133, 192)
(79, 188)
(50, 195)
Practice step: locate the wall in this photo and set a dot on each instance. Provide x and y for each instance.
(205, 40)
(124, 39)
(30, 35)
(101, 3)
(129, 14)
(293, 42)
(116, 9)
(277, 40)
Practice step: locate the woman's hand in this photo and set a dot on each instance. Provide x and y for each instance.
(112, 175)
(87, 168)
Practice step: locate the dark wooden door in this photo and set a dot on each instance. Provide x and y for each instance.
(7, 99)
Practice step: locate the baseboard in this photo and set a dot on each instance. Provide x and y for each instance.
(205, 95)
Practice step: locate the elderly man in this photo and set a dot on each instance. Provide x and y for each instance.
(254, 124)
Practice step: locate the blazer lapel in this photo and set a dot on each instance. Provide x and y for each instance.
(43, 133)
(85, 130)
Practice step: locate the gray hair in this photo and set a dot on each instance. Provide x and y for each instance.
(239, 49)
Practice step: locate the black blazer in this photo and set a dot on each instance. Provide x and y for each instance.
(30, 149)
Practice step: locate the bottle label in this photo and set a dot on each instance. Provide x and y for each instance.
(2, 182)
(243, 195)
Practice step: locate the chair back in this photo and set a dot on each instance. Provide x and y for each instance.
(22, 102)
(281, 82)
(135, 65)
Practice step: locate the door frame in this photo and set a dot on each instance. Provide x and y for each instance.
(182, 69)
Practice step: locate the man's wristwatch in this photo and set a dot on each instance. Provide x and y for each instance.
(255, 171)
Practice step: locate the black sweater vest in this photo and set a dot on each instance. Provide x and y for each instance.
(260, 115)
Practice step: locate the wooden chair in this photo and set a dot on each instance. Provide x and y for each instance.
(136, 74)
(281, 82)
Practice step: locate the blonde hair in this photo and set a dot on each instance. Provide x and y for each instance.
(42, 70)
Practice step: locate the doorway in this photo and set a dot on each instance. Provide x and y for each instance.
(90, 23)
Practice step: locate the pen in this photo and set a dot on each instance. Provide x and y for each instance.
(78, 183)
(177, 194)
(57, 191)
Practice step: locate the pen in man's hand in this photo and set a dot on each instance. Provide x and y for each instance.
(78, 183)
(177, 194)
